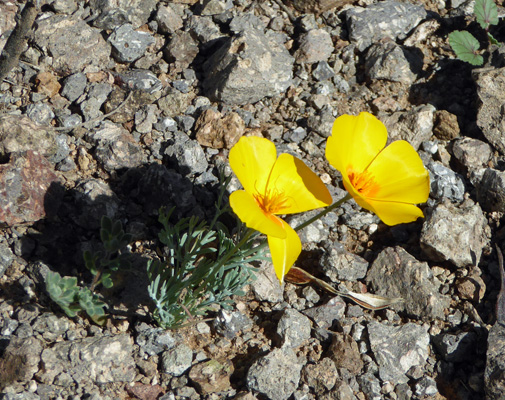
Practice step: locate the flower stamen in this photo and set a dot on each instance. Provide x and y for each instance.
(364, 182)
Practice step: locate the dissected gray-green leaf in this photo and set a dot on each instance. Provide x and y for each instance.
(466, 47)
(486, 13)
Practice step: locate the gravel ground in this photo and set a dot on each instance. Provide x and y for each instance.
(120, 107)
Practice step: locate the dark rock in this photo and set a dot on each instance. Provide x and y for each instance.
(136, 12)
(20, 360)
(491, 190)
(73, 86)
(29, 189)
(345, 353)
(154, 340)
(211, 376)
(456, 347)
(324, 316)
(320, 376)
(229, 324)
(494, 376)
(181, 50)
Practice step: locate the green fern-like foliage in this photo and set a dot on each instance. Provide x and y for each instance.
(203, 266)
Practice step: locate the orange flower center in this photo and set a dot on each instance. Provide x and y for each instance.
(363, 182)
(271, 202)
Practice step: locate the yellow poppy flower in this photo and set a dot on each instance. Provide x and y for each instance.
(274, 186)
(388, 181)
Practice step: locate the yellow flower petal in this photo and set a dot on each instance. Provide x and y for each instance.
(301, 189)
(400, 175)
(247, 209)
(252, 159)
(284, 252)
(392, 213)
(355, 141)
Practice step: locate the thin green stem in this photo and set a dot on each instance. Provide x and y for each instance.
(324, 212)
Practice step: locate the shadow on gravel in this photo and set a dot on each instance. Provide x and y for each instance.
(133, 197)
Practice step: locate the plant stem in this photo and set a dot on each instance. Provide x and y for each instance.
(338, 203)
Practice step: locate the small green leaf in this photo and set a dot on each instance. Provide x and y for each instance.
(466, 47)
(486, 13)
(492, 40)
(107, 280)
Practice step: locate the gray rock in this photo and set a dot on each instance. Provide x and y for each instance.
(455, 234)
(19, 134)
(395, 273)
(247, 68)
(398, 348)
(325, 315)
(64, 6)
(266, 287)
(174, 103)
(70, 44)
(94, 199)
(187, 154)
(117, 148)
(154, 340)
(415, 126)
(141, 79)
(145, 118)
(391, 62)
(491, 190)
(177, 360)
(246, 22)
(129, 45)
(494, 376)
(426, 386)
(50, 326)
(339, 264)
(99, 360)
(229, 324)
(491, 115)
(40, 113)
(320, 376)
(6, 257)
(322, 122)
(275, 375)
(21, 396)
(456, 347)
(214, 7)
(323, 72)
(445, 183)
(345, 353)
(370, 386)
(116, 12)
(73, 86)
(472, 153)
(315, 45)
(168, 20)
(97, 94)
(387, 19)
(293, 328)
